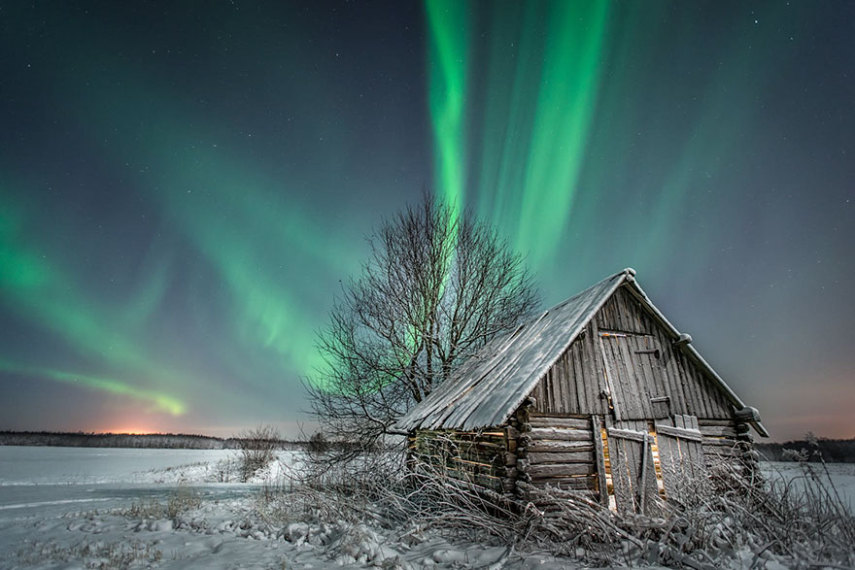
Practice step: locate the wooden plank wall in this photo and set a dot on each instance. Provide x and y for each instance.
(632, 463)
(636, 375)
(576, 383)
(691, 392)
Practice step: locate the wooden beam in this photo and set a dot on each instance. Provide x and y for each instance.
(638, 436)
(555, 445)
(559, 421)
(560, 470)
(577, 457)
(690, 434)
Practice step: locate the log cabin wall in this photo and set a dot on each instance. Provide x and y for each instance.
(557, 451)
(485, 458)
(624, 379)
(730, 442)
(577, 383)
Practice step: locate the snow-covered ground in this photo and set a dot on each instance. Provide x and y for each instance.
(841, 477)
(150, 508)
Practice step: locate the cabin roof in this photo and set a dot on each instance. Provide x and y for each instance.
(486, 389)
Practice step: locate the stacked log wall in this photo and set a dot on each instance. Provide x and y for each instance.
(484, 458)
(557, 451)
(729, 443)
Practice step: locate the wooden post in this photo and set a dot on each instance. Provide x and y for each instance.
(599, 454)
(643, 474)
(522, 441)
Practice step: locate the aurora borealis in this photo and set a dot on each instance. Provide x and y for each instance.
(184, 186)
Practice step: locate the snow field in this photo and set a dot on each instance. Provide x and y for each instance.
(118, 508)
(177, 509)
(840, 475)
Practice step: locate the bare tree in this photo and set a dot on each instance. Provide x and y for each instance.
(435, 288)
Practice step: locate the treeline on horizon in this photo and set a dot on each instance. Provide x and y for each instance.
(809, 449)
(830, 450)
(128, 440)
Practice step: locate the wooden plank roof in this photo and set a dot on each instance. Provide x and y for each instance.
(492, 384)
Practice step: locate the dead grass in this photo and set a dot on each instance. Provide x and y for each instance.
(183, 499)
(742, 523)
(91, 554)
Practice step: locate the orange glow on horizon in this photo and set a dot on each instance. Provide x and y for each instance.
(128, 430)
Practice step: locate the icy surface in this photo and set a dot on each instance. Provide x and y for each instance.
(78, 465)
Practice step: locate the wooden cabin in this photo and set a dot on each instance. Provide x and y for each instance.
(599, 395)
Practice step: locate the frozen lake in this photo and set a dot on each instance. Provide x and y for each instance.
(52, 480)
(66, 504)
(81, 465)
(151, 468)
(841, 475)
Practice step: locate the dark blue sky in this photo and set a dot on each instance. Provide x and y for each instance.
(183, 186)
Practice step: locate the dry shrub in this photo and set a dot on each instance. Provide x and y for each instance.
(181, 500)
(318, 444)
(257, 449)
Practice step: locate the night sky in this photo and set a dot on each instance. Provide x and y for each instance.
(185, 186)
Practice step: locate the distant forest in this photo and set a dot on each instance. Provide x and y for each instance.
(831, 450)
(155, 441)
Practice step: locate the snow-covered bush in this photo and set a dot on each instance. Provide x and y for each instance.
(257, 449)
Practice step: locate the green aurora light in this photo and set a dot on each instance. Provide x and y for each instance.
(538, 100)
(448, 54)
(250, 233)
(42, 291)
(551, 114)
(158, 402)
(254, 235)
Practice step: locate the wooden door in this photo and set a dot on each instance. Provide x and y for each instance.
(632, 469)
(634, 376)
(681, 459)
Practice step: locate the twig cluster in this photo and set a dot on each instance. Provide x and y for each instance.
(257, 448)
